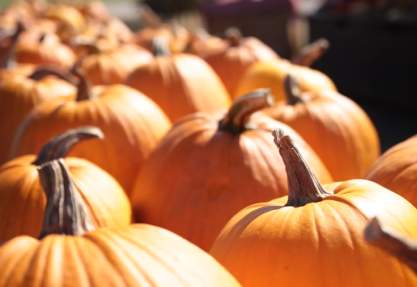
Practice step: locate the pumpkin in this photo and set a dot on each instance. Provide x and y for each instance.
(272, 74)
(397, 169)
(66, 16)
(388, 240)
(311, 52)
(314, 236)
(133, 125)
(180, 84)
(43, 48)
(80, 255)
(203, 44)
(208, 167)
(22, 201)
(336, 128)
(238, 54)
(8, 44)
(20, 92)
(113, 66)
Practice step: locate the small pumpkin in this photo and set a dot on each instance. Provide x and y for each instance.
(401, 247)
(237, 55)
(22, 201)
(21, 92)
(314, 237)
(396, 169)
(180, 84)
(133, 125)
(336, 128)
(209, 166)
(80, 255)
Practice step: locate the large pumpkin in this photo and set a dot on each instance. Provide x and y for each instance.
(210, 166)
(314, 237)
(22, 201)
(180, 84)
(20, 93)
(272, 75)
(336, 128)
(237, 55)
(397, 170)
(70, 252)
(133, 125)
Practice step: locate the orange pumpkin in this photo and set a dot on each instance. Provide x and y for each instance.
(314, 237)
(210, 166)
(78, 255)
(237, 55)
(20, 93)
(22, 201)
(8, 42)
(336, 128)
(133, 125)
(180, 84)
(397, 169)
(401, 247)
(272, 75)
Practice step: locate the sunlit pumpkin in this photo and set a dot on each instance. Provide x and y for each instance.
(397, 169)
(336, 128)
(22, 201)
(314, 237)
(132, 123)
(80, 255)
(180, 84)
(209, 166)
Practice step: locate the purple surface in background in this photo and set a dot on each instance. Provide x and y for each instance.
(224, 7)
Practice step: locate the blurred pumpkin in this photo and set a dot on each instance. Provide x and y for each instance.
(22, 201)
(210, 166)
(336, 128)
(237, 55)
(66, 15)
(314, 237)
(20, 92)
(133, 125)
(396, 169)
(174, 35)
(136, 255)
(180, 84)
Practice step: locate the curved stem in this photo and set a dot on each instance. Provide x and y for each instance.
(42, 72)
(311, 53)
(292, 91)
(59, 146)
(303, 185)
(389, 241)
(233, 36)
(160, 47)
(83, 87)
(13, 39)
(65, 213)
(236, 119)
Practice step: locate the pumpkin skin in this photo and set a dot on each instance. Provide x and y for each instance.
(200, 175)
(136, 255)
(22, 200)
(132, 123)
(112, 67)
(315, 242)
(176, 36)
(396, 169)
(180, 84)
(237, 55)
(336, 128)
(272, 74)
(19, 94)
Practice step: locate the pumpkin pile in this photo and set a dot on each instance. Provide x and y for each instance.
(171, 157)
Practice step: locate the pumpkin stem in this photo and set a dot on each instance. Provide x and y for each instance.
(42, 72)
(403, 248)
(5, 60)
(65, 213)
(303, 185)
(59, 146)
(83, 87)
(243, 107)
(233, 36)
(160, 47)
(312, 52)
(292, 91)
